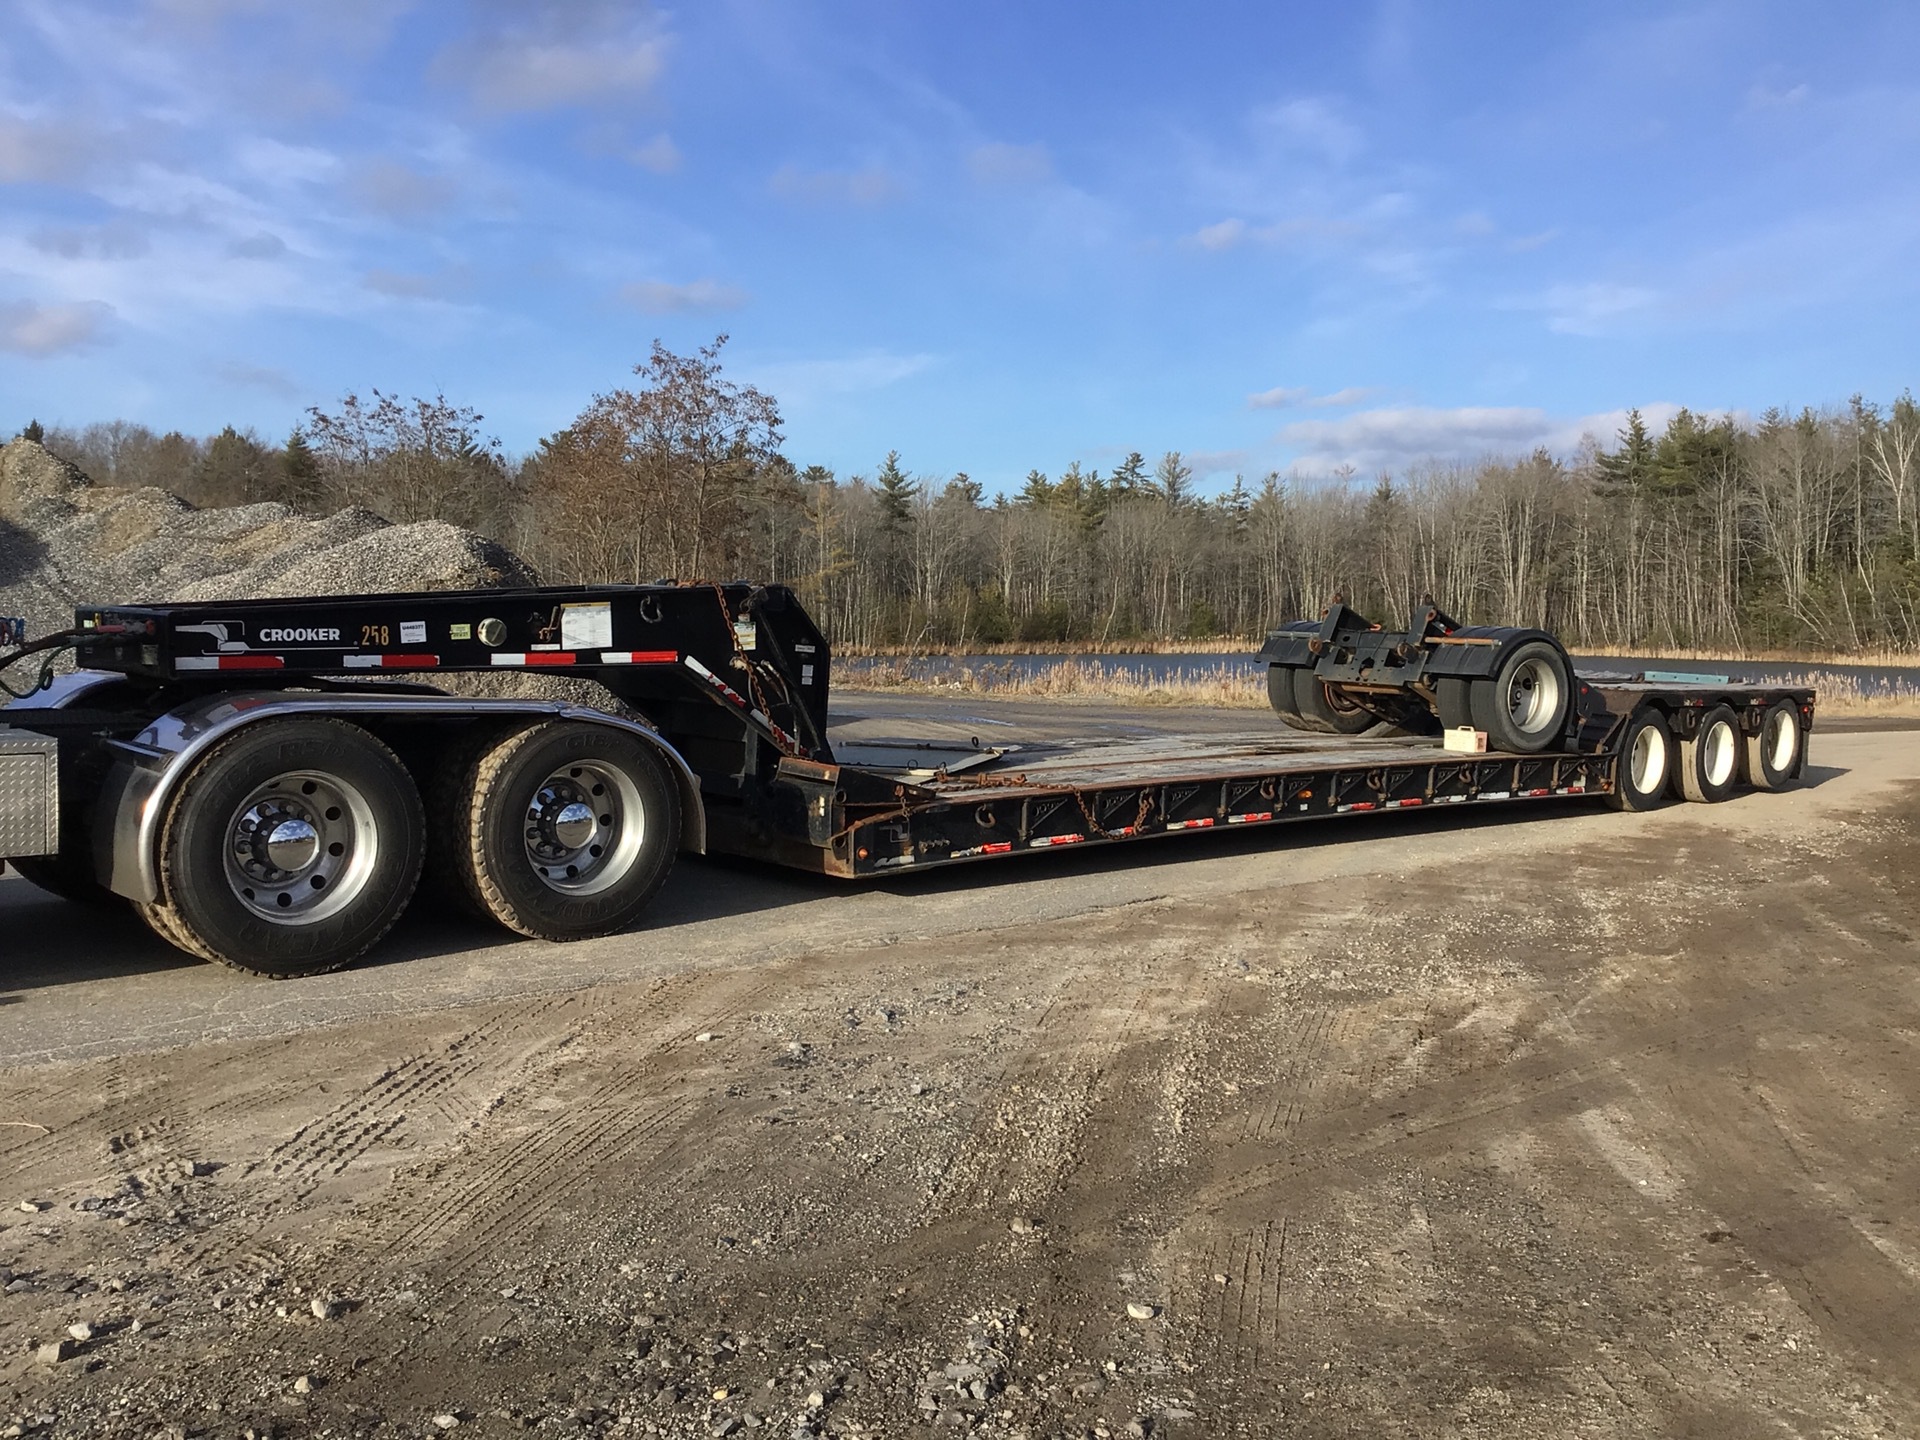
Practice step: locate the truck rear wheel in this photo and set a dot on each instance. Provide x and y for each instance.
(290, 849)
(1523, 705)
(571, 829)
(1710, 761)
(1280, 695)
(1773, 752)
(1323, 709)
(1646, 763)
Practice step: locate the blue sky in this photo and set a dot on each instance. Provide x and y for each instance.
(994, 237)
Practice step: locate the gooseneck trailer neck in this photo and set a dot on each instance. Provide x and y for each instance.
(268, 781)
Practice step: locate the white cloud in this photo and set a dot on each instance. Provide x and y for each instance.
(1003, 164)
(1593, 309)
(258, 377)
(1394, 438)
(41, 330)
(1765, 97)
(660, 155)
(261, 245)
(800, 383)
(1281, 397)
(870, 186)
(557, 54)
(1221, 236)
(1312, 125)
(415, 285)
(62, 153)
(1285, 397)
(1232, 232)
(661, 297)
(121, 238)
(399, 192)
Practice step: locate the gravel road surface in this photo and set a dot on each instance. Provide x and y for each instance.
(1557, 1122)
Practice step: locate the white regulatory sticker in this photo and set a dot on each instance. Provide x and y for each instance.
(413, 632)
(586, 627)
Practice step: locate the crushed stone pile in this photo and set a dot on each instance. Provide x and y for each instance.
(65, 541)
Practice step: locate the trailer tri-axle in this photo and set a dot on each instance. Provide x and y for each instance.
(268, 782)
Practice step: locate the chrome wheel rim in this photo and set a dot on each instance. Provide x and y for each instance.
(1780, 740)
(583, 828)
(1718, 757)
(1647, 759)
(301, 847)
(1533, 696)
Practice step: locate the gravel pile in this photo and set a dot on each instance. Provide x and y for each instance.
(65, 541)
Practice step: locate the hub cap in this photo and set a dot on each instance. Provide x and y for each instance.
(300, 847)
(1718, 743)
(1781, 739)
(1647, 762)
(1533, 696)
(584, 825)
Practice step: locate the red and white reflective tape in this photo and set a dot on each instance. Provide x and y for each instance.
(230, 662)
(535, 657)
(1358, 805)
(1406, 804)
(390, 662)
(889, 862)
(1000, 847)
(1206, 824)
(1250, 817)
(1042, 841)
(639, 657)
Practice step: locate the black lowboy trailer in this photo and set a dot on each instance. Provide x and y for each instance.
(268, 782)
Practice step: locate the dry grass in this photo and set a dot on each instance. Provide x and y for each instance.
(1219, 685)
(1236, 687)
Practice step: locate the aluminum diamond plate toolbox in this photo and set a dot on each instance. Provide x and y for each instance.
(29, 794)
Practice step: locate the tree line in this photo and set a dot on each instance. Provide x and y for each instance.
(1795, 529)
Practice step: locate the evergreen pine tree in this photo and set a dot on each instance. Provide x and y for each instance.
(1037, 492)
(897, 489)
(34, 432)
(1129, 478)
(299, 473)
(1631, 466)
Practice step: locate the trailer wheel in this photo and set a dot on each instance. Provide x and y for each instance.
(1773, 752)
(1326, 711)
(1280, 695)
(1523, 706)
(290, 850)
(1710, 761)
(572, 828)
(1646, 762)
(1453, 698)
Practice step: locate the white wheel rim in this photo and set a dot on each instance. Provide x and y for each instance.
(1533, 696)
(1717, 747)
(1780, 740)
(1647, 759)
(583, 828)
(301, 847)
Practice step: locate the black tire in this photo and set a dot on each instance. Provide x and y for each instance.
(1523, 706)
(531, 865)
(1280, 694)
(1453, 699)
(1774, 753)
(1709, 769)
(1323, 710)
(445, 882)
(290, 849)
(1648, 759)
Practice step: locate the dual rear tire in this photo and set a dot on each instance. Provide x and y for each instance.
(292, 847)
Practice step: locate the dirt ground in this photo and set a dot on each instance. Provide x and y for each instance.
(1570, 1123)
